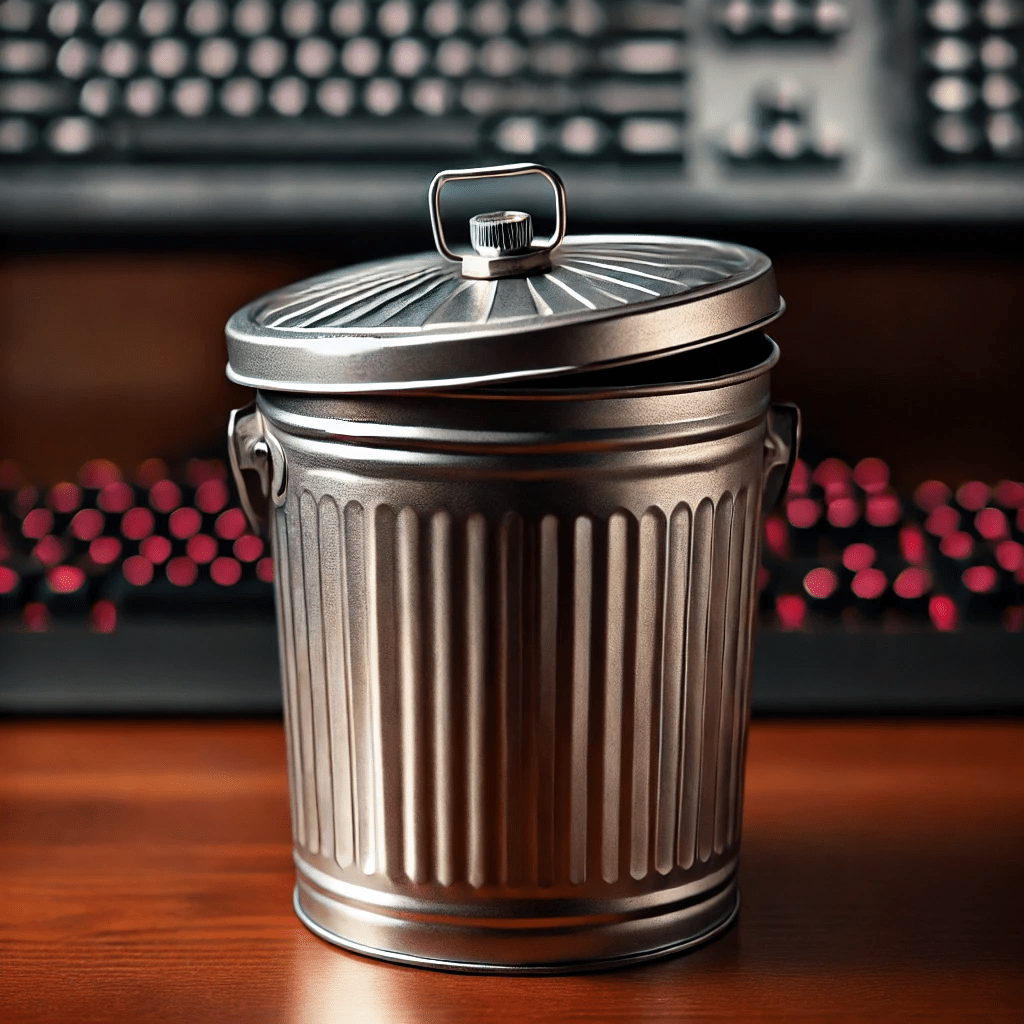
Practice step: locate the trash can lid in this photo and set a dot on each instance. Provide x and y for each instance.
(509, 310)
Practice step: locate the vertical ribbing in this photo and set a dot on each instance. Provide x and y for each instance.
(733, 625)
(579, 784)
(492, 701)
(383, 673)
(673, 668)
(721, 565)
(412, 694)
(337, 679)
(650, 602)
(357, 632)
(312, 571)
(286, 655)
(614, 683)
(509, 611)
(304, 700)
(697, 623)
(444, 769)
(476, 722)
(546, 682)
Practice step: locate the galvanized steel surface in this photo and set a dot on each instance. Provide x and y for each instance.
(515, 637)
(416, 322)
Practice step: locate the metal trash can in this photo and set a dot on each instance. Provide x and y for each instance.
(515, 503)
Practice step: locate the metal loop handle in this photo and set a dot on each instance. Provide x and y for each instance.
(502, 171)
(781, 448)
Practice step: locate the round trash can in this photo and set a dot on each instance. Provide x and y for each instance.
(515, 503)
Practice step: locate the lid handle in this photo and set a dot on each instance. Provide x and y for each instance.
(496, 261)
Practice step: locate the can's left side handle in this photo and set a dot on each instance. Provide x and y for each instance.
(258, 465)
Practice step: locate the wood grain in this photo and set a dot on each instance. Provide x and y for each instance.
(146, 877)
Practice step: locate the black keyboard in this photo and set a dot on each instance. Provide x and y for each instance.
(312, 111)
(149, 594)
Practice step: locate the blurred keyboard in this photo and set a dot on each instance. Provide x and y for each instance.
(150, 595)
(303, 112)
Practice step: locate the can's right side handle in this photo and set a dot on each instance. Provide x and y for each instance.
(781, 446)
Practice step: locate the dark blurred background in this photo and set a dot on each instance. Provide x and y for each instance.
(162, 163)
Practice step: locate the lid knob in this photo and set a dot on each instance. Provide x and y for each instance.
(503, 233)
(503, 241)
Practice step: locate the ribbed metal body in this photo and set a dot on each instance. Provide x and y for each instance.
(515, 635)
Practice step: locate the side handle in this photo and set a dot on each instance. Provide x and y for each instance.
(781, 446)
(258, 464)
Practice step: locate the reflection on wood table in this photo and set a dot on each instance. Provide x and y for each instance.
(146, 877)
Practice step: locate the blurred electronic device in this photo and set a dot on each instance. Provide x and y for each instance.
(151, 595)
(315, 112)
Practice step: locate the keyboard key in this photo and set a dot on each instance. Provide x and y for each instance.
(956, 135)
(482, 97)
(335, 97)
(30, 96)
(559, 59)
(490, 18)
(583, 136)
(521, 136)
(241, 97)
(623, 96)
(16, 15)
(168, 57)
(65, 18)
(111, 17)
(119, 58)
(348, 17)
(98, 97)
(205, 17)
(432, 96)
(396, 18)
(783, 17)
(158, 17)
(72, 135)
(645, 57)
(997, 54)
(315, 57)
(300, 18)
(144, 96)
(382, 96)
(951, 53)
(830, 18)
(1000, 14)
(443, 18)
(75, 58)
(288, 96)
(738, 17)
(647, 136)
(501, 58)
(538, 17)
(16, 135)
(23, 56)
(585, 17)
(999, 92)
(1005, 134)
(408, 57)
(361, 56)
(455, 58)
(192, 96)
(948, 15)
(266, 57)
(217, 57)
(952, 94)
(253, 17)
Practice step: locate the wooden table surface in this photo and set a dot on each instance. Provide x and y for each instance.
(146, 876)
